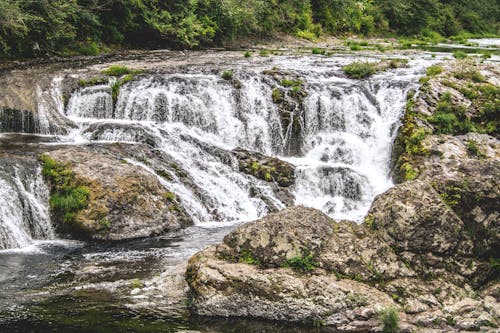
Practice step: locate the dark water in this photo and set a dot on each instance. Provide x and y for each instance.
(49, 288)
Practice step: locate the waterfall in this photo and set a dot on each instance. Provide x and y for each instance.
(347, 129)
(24, 214)
(338, 136)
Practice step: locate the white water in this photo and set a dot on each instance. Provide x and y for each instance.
(24, 214)
(196, 119)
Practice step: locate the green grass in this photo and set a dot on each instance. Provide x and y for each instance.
(291, 83)
(67, 196)
(117, 70)
(460, 55)
(434, 70)
(304, 262)
(227, 75)
(264, 53)
(389, 318)
(247, 54)
(277, 96)
(93, 81)
(318, 51)
(247, 257)
(360, 69)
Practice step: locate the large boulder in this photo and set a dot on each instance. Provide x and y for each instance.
(222, 288)
(124, 200)
(279, 237)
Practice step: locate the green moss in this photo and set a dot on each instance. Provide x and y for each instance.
(68, 197)
(136, 283)
(389, 318)
(360, 69)
(414, 143)
(304, 262)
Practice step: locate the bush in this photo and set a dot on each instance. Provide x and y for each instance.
(389, 318)
(459, 55)
(68, 197)
(360, 70)
(247, 54)
(303, 263)
(434, 70)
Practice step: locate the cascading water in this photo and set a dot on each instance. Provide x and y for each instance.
(196, 118)
(347, 131)
(24, 213)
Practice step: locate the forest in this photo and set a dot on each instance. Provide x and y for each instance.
(38, 28)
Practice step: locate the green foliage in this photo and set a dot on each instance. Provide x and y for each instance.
(304, 262)
(227, 75)
(105, 223)
(409, 172)
(311, 36)
(460, 55)
(264, 53)
(370, 222)
(246, 256)
(472, 148)
(277, 95)
(117, 70)
(92, 82)
(247, 54)
(170, 196)
(66, 27)
(68, 197)
(318, 51)
(469, 74)
(434, 70)
(389, 318)
(291, 83)
(451, 195)
(450, 118)
(360, 70)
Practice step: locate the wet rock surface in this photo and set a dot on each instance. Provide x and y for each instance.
(131, 201)
(427, 249)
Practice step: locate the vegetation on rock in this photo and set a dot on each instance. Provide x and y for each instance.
(68, 197)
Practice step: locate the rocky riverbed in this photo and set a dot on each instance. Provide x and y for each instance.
(191, 146)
